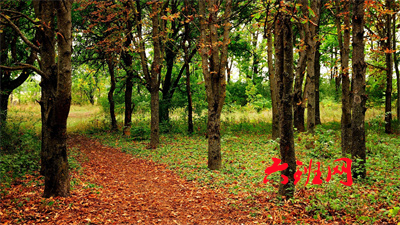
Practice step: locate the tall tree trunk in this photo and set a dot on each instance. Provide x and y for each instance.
(273, 85)
(317, 68)
(155, 79)
(389, 73)
(111, 70)
(298, 101)
(56, 93)
(344, 46)
(167, 85)
(358, 116)
(396, 66)
(310, 31)
(186, 45)
(214, 59)
(256, 60)
(128, 104)
(284, 74)
(152, 76)
(127, 59)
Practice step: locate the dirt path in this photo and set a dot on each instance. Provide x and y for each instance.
(133, 191)
(136, 190)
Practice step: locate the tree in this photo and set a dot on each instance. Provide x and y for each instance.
(110, 96)
(189, 93)
(268, 30)
(55, 70)
(14, 55)
(389, 71)
(152, 76)
(214, 59)
(344, 46)
(358, 109)
(396, 66)
(310, 28)
(54, 31)
(298, 100)
(284, 75)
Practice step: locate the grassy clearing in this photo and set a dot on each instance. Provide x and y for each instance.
(247, 150)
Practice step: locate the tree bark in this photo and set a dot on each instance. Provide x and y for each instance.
(317, 69)
(152, 76)
(214, 59)
(56, 93)
(359, 96)
(111, 70)
(396, 66)
(298, 101)
(127, 59)
(154, 80)
(389, 73)
(188, 91)
(284, 74)
(344, 46)
(310, 31)
(272, 79)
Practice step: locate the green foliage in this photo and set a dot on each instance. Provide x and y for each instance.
(19, 151)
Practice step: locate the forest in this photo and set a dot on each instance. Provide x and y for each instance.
(199, 112)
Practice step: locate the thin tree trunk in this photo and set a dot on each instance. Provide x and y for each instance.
(155, 80)
(214, 68)
(127, 59)
(272, 79)
(114, 126)
(186, 45)
(344, 46)
(389, 73)
(284, 74)
(360, 98)
(298, 101)
(310, 31)
(56, 94)
(396, 66)
(167, 86)
(317, 68)
(128, 104)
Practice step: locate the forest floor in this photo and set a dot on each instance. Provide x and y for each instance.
(112, 187)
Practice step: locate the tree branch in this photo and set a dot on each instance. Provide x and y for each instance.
(22, 67)
(21, 14)
(30, 44)
(375, 66)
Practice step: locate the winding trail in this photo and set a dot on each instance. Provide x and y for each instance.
(141, 191)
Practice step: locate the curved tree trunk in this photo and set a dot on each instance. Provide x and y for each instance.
(111, 70)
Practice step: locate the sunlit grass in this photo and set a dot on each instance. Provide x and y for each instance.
(28, 116)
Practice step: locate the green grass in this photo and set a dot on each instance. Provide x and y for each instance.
(247, 150)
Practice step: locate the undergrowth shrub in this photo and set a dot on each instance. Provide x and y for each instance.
(20, 152)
